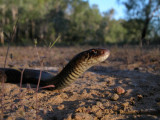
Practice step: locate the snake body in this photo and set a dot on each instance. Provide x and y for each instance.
(79, 64)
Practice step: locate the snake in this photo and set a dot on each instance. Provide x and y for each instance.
(72, 71)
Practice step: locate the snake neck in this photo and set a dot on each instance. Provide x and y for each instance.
(69, 74)
(79, 64)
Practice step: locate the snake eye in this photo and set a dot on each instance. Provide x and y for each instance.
(94, 52)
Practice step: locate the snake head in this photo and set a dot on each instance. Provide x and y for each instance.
(94, 56)
(98, 55)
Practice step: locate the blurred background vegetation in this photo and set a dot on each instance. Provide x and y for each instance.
(79, 23)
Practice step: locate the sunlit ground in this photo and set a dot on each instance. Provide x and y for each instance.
(136, 70)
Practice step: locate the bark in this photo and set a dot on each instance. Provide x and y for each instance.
(144, 31)
(146, 23)
(14, 13)
(1, 37)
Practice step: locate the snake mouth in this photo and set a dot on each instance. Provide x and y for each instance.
(104, 54)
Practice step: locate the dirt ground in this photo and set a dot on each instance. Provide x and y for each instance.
(125, 86)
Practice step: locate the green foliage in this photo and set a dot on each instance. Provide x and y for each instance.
(84, 23)
(116, 33)
(142, 16)
(75, 21)
(134, 28)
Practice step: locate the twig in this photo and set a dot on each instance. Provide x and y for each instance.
(41, 62)
(54, 42)
(154, 11)
(9, 40)
(21, 78)
(39, 79)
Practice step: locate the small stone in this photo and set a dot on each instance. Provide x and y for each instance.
(139, 97)
(129, 92)
(99, 113)
(100, 105)
(121, 111)
(115, 108)
(120, 81)
(111, 111)
(125, 104)
(106, 110)
(64, 95)
(119, 90)
(60, 107)
(81, 109)
(115, 97)
(95, 108)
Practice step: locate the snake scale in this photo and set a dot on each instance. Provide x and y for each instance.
(79, 64)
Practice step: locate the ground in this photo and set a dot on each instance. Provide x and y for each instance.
(126, 86)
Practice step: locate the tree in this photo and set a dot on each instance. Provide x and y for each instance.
(142, 13)
(84, 22)
(110, 30)
(30, 12)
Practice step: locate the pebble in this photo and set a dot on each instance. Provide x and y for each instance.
(121, 111)
(115, 97)
(64, 95)
(119, 90)
(60, 107)
(139, 97)
(99, 104)
(99, 113)
(81, 109)
(125, 104)
(115, 107)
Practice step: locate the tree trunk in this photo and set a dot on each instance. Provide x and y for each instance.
(144, 31)
(1, 37)
(146, 22)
